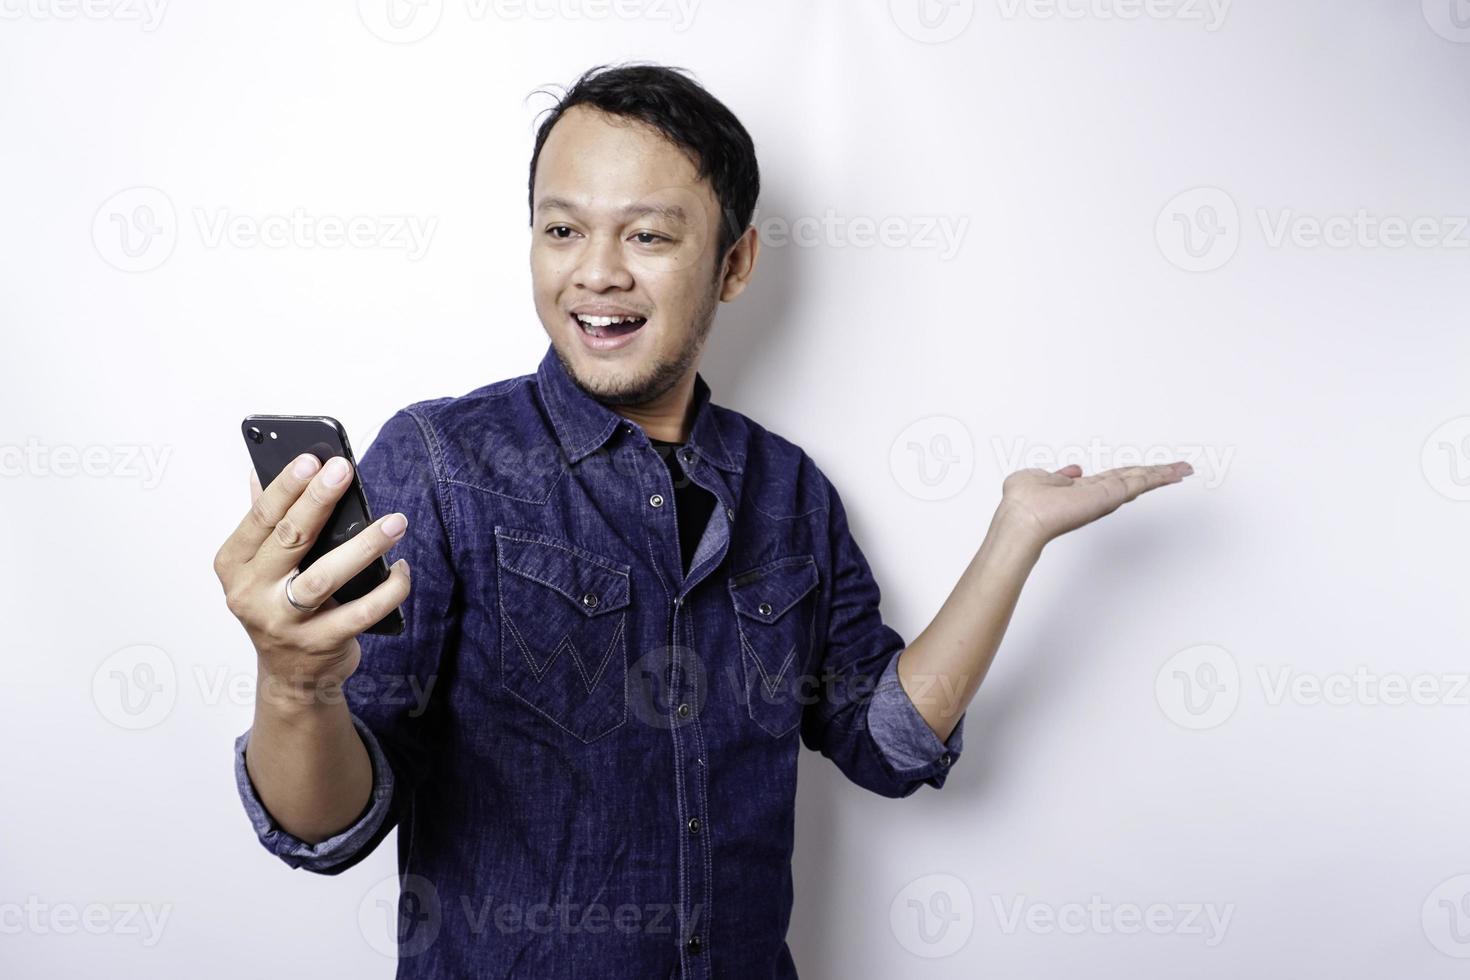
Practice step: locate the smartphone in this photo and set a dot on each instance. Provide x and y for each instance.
(274, 441)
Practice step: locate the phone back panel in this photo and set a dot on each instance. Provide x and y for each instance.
(281, 438)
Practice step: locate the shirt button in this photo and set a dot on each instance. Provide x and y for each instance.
(590, 600)
(657, 500)
(764, 609)
(729, 514)
(684, 710)
(687, 456)
(694, 825)
(944, 760)
(694, 945)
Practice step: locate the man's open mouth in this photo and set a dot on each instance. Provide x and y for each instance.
(608, 326)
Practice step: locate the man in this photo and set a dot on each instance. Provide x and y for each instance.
(587, 735)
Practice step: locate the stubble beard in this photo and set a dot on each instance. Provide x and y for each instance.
(664, 374)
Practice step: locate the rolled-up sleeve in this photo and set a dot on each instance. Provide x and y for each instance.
(865, 721)
(394, 696)
(907, 741)
(333, 851)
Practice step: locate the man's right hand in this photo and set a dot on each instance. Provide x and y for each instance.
(308, 652)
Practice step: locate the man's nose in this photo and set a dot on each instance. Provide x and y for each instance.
(602, 265)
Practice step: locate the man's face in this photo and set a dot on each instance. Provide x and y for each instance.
(622, 226)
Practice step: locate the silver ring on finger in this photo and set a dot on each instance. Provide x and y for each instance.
(292, 598)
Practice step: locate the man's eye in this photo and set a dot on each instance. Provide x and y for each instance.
(648, 237)
(554, 229)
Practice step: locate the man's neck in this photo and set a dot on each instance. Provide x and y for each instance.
(667, 416)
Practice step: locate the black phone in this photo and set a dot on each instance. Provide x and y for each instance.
(274, 441)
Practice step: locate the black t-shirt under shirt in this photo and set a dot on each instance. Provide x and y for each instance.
(693, 504)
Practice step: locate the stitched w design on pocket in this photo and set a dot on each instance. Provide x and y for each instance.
(775, 613)
(563, 631)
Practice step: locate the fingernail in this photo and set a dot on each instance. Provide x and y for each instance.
(394, 524)
(336, 471)
(304, 466)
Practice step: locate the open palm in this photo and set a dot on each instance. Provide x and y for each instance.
(1057, 501)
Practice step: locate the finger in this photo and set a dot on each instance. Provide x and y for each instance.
(1117, 486)
(1141, 479)
(266, 509)
(1071, 469)
(1166, 473)
(337, 567)
(296, 529)
(352, 618)
(255, 489)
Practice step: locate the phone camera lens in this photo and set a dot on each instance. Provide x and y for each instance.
(254, 434)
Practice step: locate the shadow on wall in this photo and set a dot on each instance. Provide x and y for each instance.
(748, 333)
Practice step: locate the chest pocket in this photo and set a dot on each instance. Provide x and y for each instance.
(563, 631)
(775, 607)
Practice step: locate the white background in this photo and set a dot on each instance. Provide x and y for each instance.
(1327, 383)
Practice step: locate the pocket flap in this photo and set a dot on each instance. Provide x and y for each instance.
(595, 585)
(765, 593)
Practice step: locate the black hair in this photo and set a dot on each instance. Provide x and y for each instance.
(671, 101)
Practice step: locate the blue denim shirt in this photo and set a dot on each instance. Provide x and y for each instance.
(591, 757)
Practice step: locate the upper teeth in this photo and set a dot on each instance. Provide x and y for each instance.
(604, 321)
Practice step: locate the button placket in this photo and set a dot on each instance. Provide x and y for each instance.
(692, 799)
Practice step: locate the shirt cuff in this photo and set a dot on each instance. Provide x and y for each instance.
(903, 736)
(334, 850)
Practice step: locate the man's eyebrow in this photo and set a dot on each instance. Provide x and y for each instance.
(671, 212)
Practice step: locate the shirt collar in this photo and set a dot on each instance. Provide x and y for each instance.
(582, 423)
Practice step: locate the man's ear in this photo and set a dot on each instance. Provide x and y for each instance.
(739, 264)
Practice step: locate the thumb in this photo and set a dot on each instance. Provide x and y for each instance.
(254, 485)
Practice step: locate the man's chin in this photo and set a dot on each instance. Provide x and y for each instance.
(623, 383)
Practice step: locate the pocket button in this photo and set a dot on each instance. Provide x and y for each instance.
(563, 614)
(774, 613)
